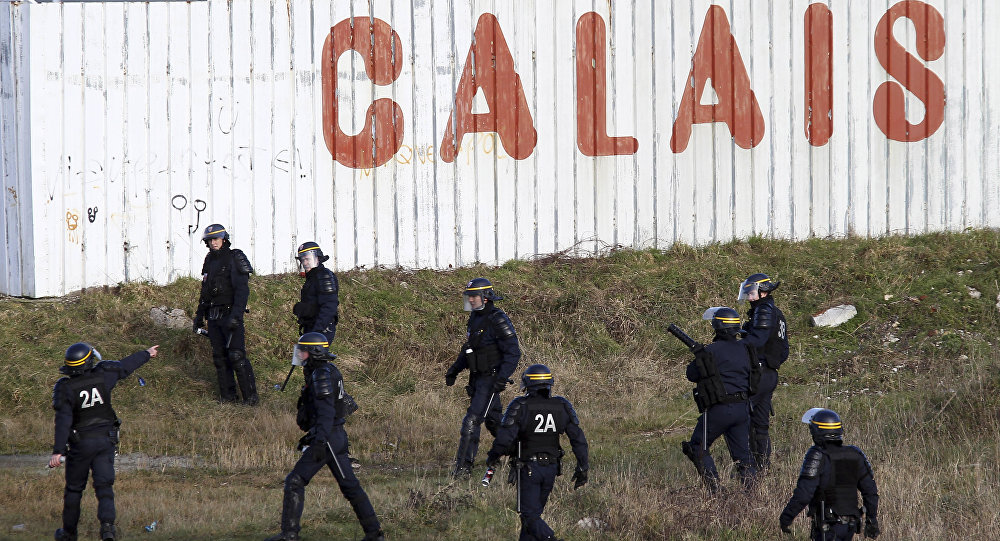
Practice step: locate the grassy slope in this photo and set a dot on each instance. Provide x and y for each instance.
(914, 375)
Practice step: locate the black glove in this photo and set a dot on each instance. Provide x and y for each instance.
(579, 478)
(499, 384)
(787, 528)
(199, 322)
(450, 376)
(317, 451)
(871, 528)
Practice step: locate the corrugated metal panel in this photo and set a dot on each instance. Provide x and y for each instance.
(150, 120)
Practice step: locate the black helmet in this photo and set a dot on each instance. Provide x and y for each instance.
(310, 256)
(756, 282)
(215, 231)
(824, 425)
(725, 320)
(481, 287)
(537, 377)
(80, 357)
(315, 344)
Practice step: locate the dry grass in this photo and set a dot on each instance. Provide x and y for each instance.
(923, 407)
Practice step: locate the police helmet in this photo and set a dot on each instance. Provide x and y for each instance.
(310, 256)
(215, 231)
(724, 319)
(480, 287)
(824, 425)
(537, 377)
(313, 343)
(756, 282)
(80, 357)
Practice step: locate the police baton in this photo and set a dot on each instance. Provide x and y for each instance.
(288, 377)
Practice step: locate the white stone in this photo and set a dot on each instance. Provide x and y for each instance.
(171, 319)
(836, 315)
(591, 523)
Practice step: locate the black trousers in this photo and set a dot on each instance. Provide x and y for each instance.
(90, 454)
(340, 465)
(484, 406)
(229, 356)
(534, 486)
(760, 418)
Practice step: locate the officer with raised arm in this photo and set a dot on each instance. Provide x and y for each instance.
(86, 431)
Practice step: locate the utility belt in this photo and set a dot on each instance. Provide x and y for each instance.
(733, 398)
(542, 459)
(111, 432)
(831, 520)
(218, 311)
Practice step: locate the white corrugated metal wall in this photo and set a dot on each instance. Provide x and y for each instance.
(149, 121)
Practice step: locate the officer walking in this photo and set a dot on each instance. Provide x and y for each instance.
(317, 309)
(321, 413)
(530, 431)
(86, 431)
(225, 289)
(722, 371)
(491, 353)
(767, 331)
(832, 475)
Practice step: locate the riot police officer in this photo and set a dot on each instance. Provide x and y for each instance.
(767, 331)
(491, 353)
(321, 412)
(318, 306)
(530, 431)
(225, 289)
(832, 475)
(722, 371)
(87, 431)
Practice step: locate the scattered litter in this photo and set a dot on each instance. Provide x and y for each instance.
(890, 339)
(835, 316)
(591, 523)
(142, 382)
(276, 386)
(974, 293)
(19, 527)
(152, 527)
(887, 296)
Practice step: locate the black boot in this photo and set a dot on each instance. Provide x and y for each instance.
(63, 535)
(462, 470)
(374, 536)
(107, 531)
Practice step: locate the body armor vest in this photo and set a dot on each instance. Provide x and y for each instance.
(305, 418)
(91, 401)
(217, 289)
(545, 419)
(841, 490)
(483, 358)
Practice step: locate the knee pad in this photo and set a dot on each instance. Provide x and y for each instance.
(469, 426)
(294, 482)
(236, 357)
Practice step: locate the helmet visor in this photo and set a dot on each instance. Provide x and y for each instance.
(299, 356)
(308, 261)
(473, 300)
(709, 314)
(747, 289)
(807, 417)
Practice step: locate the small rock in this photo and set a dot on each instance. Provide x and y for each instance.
(888, 296)
(835, 316)
(591, 523)
(974, 293)
(170, 318)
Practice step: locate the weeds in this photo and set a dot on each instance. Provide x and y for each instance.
(914, 376)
